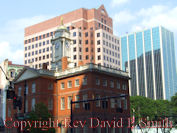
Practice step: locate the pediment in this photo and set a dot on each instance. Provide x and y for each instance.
(27, 74)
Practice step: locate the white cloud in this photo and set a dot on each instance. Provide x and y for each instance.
(12, 37)
(146, 18)
(118, 2)
(8, 52)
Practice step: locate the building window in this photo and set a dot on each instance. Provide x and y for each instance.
(77, 99)
(62, 85)
(98, 42)
(74, 57)
(50, 86)
(62, 103)
(98, 34)
(69, 102)
(33, 88)
(99, 57)
(112, 102)
(98, 49)
(47, 41)
(74, 49)
(43, 50)
(39, 51)
(74, 41)
(86, 57)
(39, 37)
(76, 82)
(47, 34)
(33, 104)
(97, 81)
(19, 91)
(44, 36)
(50, 104)
(124, 87)
(86, 49)
(112, 84)
(80, 41)
(69, 84)
(74, 33)
(98, 103)
(86, 41)
(104, 82)
(86, 34)
(26, 89)
(118, 85)
(80, 49)
(84, 81)
(80, 34)
(85, 97)
(105, 104)
(26, 105)
(80, 57)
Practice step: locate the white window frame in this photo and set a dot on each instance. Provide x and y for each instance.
(77, 105)
(33, 87)
(97, 81)
(62, 103)
(62, 85)
(69, 102)
(69, 84)
(84, 81)
(112, 83)
(76, 85)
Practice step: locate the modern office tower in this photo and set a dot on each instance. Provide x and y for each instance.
(83, 25)
(149, 57)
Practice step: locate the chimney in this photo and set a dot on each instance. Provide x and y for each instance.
(44, 66)
(64, 62)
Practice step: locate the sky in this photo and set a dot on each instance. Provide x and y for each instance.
(128, 16)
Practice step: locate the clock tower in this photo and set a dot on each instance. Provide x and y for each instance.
(60, 47)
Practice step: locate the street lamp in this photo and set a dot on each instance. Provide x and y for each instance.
(95, 99)
(10, 90)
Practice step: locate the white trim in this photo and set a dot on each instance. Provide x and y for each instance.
(162, 63)
(154, 82)
(144, 58)
(137, 78)
(128, 66)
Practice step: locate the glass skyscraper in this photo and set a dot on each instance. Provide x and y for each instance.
(149, 57)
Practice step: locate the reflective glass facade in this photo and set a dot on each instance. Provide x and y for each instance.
(151, 58)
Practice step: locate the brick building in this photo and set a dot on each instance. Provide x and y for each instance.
(57, 89)
(91, 32)
(65, 82)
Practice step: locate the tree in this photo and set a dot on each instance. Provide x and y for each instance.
(40, 113)
(174, 109)
(150, 110)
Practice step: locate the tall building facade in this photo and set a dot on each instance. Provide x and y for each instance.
(83, 26)
(11, 70)
(149, 57)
